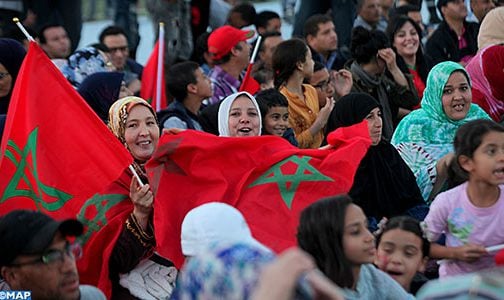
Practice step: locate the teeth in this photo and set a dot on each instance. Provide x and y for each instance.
(144, 143)
(246, 129)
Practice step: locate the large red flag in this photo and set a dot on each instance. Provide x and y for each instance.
(56, 154)
(148, 90)
(265, 177)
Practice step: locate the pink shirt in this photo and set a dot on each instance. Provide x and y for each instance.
(453, 214)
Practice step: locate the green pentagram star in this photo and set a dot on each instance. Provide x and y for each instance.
(288, 183)
(23, 169)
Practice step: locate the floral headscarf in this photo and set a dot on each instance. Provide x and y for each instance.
(225, 107)
(118, 114)
(224, 271)
(82, 63)
(426, 134)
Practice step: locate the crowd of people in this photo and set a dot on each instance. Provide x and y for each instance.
(427, 200)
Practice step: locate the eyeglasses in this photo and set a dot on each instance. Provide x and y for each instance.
(3, 75)
(324, 85)
(115, 49)
(51, 256)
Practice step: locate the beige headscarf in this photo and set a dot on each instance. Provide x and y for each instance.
(118, 114)
(491, 30)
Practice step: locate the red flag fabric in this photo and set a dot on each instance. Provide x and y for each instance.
(266, 178)
(149, 80)
(56, 154)
(249, 84)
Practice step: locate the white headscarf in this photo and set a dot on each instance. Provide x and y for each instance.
(225, 107)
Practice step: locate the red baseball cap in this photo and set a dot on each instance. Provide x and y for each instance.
(224, 38)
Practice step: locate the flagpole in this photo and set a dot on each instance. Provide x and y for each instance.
(256, 49)
(159, 71)
(28, 36)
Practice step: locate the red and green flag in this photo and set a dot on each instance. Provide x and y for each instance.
(265, 177)
(56, 155)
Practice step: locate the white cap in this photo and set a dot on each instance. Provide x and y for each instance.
(211, 223)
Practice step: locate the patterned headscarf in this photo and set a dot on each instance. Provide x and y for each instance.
(224, 271)
(225, 107)
(82, 63)
(118, 114)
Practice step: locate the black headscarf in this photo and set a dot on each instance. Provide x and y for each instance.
(12, 54)
(101, 90)
(384, 186)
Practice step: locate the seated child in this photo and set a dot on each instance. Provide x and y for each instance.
(275, 115)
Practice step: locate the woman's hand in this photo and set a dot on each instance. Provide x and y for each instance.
(342, 82)
(143, 201)
(388, 55)
(322, 117)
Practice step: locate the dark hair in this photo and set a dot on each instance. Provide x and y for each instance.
(467, 139)
(320, 233)
(41, 36)
(264, 17)
(200, 47)
(263, 75)
(227, 56)
(409, 224)
(267, 35)
(247, 12)
(395, 24)
(179, 76)
(403, 10)
(111, 30)
(270, 98)
(285, 58)
(311, 26)
(317, 66)
(365, 44)
(101, 47)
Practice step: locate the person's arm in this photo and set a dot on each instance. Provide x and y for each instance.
(306, 137)
(389, 56)
(467, 252)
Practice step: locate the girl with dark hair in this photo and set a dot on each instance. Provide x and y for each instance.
(471, 215)
(292, 62)
(406, 37)
(334, 231)
(372, 57)
(384, 185)
(403, 250)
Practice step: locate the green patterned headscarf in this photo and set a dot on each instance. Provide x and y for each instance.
(430, 124)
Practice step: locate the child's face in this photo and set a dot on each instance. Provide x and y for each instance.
(203, 85)
(400, 256)
(276, 120)
(487, 164)
(358, 242)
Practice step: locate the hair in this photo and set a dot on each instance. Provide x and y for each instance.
(264, 17)
(267, 35)
(227, 57)
(270, 98)
(179, 76)
(101, 47)
(408, 224)
(467, 139)
(247, 12)
(317, 66)
(200, 47)
(286, 57)
(394, 25)
(311, 26)
(405, 9)
(263, 75)
(41, 36)
(365, 44)
(111, 30)
(320, 233)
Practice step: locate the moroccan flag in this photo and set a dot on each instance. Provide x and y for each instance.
(150, 79)
(249, 84)
(265, 177)
(56, 154)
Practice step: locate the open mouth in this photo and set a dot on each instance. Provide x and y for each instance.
(499, 172)
(394, 273)
(459, 107)
(144, 143)
(245, 130)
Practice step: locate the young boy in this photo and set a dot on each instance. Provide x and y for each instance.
(189, 86)
(275, 114)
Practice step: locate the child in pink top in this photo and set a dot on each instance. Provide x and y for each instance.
(471, 215)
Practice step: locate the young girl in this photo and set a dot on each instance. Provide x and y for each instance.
(471, 215)
(335, 232)
(292, 63)
(402, 250)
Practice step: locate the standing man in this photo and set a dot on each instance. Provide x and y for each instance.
(53, 39)
(36, 255)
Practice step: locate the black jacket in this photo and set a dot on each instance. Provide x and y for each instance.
(443, 44)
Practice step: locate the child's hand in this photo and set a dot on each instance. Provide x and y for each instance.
(469, 252)
(325, 111)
